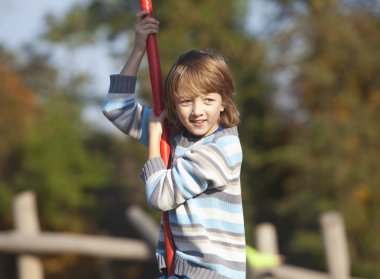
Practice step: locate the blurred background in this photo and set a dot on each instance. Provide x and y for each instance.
(308, 90)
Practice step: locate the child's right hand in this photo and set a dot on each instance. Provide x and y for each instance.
(155, 132)
(156, 125)
(144, 27)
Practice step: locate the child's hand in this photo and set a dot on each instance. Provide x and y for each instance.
(156, 125)
(144, 26)
(155, 132)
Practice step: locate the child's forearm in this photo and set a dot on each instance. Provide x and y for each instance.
(132, 65)
(155, 133)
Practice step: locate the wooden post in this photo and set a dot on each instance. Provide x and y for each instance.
(145, 225)
(335, 242)
(26, 223)
(266, 239)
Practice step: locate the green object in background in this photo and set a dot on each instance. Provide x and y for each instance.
(257, 259)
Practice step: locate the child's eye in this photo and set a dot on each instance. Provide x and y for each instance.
(184, 102)
(208, 100)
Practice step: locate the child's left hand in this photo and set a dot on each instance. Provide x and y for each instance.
(143, 28)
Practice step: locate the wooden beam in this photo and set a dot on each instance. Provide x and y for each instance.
(61, 243)
(294, 272)
(286, 271)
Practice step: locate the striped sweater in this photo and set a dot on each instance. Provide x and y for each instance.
(201, 191)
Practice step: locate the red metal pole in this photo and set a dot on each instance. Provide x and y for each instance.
(158, 104)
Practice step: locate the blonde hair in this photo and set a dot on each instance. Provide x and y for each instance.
(198, 72)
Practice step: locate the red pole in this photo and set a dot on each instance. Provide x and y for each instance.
(158, 104)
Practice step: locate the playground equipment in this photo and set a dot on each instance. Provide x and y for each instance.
(28, 242)
(158, 106)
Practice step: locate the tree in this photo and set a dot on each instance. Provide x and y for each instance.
(17, 109)
(47, 147)
(44, 144)
(335, 144)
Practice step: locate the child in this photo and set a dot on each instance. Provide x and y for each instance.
(201, 190)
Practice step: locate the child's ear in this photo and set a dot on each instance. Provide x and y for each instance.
(222, 107)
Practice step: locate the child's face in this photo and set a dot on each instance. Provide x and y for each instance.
(200, 114)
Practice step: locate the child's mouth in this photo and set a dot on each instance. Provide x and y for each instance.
(197, 122)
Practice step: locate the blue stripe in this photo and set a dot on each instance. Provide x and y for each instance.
(226, 140)
(160, 251)
(208, 223)
(236, 159)
(180, 151)
(118, 104)
(230, 273)
(144, 138)
(216, 203)
(155, 184)
(182, 183)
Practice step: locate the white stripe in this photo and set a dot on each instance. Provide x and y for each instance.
(226, 253)
(214, 213)
(191, 185)
(165, 201)
(233, 189)
(232, 149)
(214, 236)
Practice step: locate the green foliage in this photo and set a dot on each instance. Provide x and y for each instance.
(336, 145)
(298, 163)
(17, 105)
(47, 144)
(80, 176)
(58, 165)
(86, 23)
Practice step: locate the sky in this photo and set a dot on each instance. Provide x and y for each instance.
(23, 21)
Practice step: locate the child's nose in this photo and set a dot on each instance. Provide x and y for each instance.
(197, 108)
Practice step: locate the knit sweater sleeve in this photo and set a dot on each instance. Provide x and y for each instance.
(207, 166)
(121, 108)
